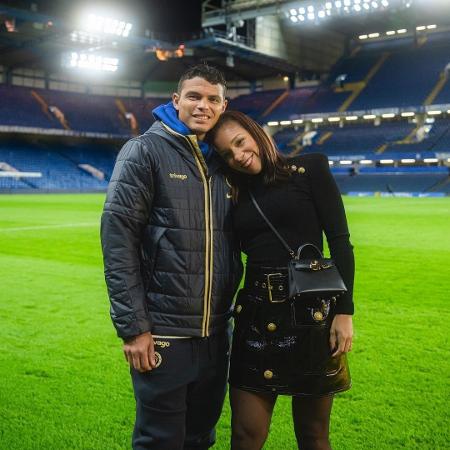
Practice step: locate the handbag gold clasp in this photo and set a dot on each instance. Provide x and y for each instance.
(315, 265)
(270, 288)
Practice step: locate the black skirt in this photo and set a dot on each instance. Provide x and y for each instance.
(281, 345)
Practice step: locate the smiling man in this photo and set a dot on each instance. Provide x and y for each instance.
(172, 268)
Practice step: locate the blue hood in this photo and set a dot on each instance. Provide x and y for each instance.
(169, 116)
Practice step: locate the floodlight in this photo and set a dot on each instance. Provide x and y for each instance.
(330, 163)
(301, 10)
(334, 119)
(310, 8)
(311, 16)
(338, 4)
(434, 113)
(328, 12)
(301, 18)
(357, 8)
(374, 5)
(285, 122)
(430, 160)
(385, 3)
(293, 12)
(407, 114)
(388, 115)
(347, 2)
(356, 2)
(374, 35)
(272, 124)
(390, 32)
(328, 5)
(369, 116)
(317, 120)
(294, 19)
(386, 161)
(345, 162)
(366, 161)
(98, 24)
(366, 6)
(421, 28)
(297, 121)
(431, 27)
(321, 14)
(408, 160)
(349, 118)
(401, 31)
(363, 36)
(91, 61)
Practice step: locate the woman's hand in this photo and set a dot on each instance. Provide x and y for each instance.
(341, 334)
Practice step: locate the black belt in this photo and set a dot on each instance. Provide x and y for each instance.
(269, 283)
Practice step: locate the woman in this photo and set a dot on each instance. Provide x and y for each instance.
(284, 346)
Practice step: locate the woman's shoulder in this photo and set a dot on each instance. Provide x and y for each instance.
(313, 161)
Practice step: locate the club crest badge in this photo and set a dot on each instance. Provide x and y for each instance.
(158, 359)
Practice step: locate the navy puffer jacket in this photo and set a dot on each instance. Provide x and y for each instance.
(171, 263)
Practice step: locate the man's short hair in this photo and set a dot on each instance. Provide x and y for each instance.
(208, 73)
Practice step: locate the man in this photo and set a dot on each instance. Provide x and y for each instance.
(172, 268)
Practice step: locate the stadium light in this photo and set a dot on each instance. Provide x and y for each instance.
(363, 36)
(407, 114)
(334, 119)
(430, 160)
(431, 27)
(369, 116)
(285, 122)
(421, 28)
(366, 161)
(330, 163)
(388, 115)
(345, 162)
(297, 121)
(408, 160)
(374, 35)
(434, 112)
(317, 120)
(90, 61)
(390, 33)
(100, 24)
(272, 124)
(402, 31)
(350, 118)
(386, 161)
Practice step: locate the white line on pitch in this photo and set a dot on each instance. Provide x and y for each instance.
(44, 227)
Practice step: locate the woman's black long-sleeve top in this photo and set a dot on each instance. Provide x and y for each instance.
(301, 209)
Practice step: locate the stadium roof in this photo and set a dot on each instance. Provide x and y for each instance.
(36, 34)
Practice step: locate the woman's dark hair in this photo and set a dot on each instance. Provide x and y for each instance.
(274, 165)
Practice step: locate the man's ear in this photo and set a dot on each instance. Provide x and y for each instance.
(175, 100)
(225, 104)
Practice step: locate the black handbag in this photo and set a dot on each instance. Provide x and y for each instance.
(315, 277)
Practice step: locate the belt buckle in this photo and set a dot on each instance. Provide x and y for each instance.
(270, 287)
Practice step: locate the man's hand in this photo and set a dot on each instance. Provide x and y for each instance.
(341, 334)
(139, 351)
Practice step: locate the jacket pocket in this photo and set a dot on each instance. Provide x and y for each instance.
(150, 250)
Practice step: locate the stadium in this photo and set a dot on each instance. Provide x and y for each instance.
(365, 82)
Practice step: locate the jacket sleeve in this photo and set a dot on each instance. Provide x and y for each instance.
(125, 214)
(330, 209)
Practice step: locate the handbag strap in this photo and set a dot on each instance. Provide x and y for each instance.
(285, 244)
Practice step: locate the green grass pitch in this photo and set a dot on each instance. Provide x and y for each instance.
(65, 385)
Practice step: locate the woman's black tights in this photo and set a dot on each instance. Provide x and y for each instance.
(252, 413)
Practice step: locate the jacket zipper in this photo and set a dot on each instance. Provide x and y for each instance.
(208, 233)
